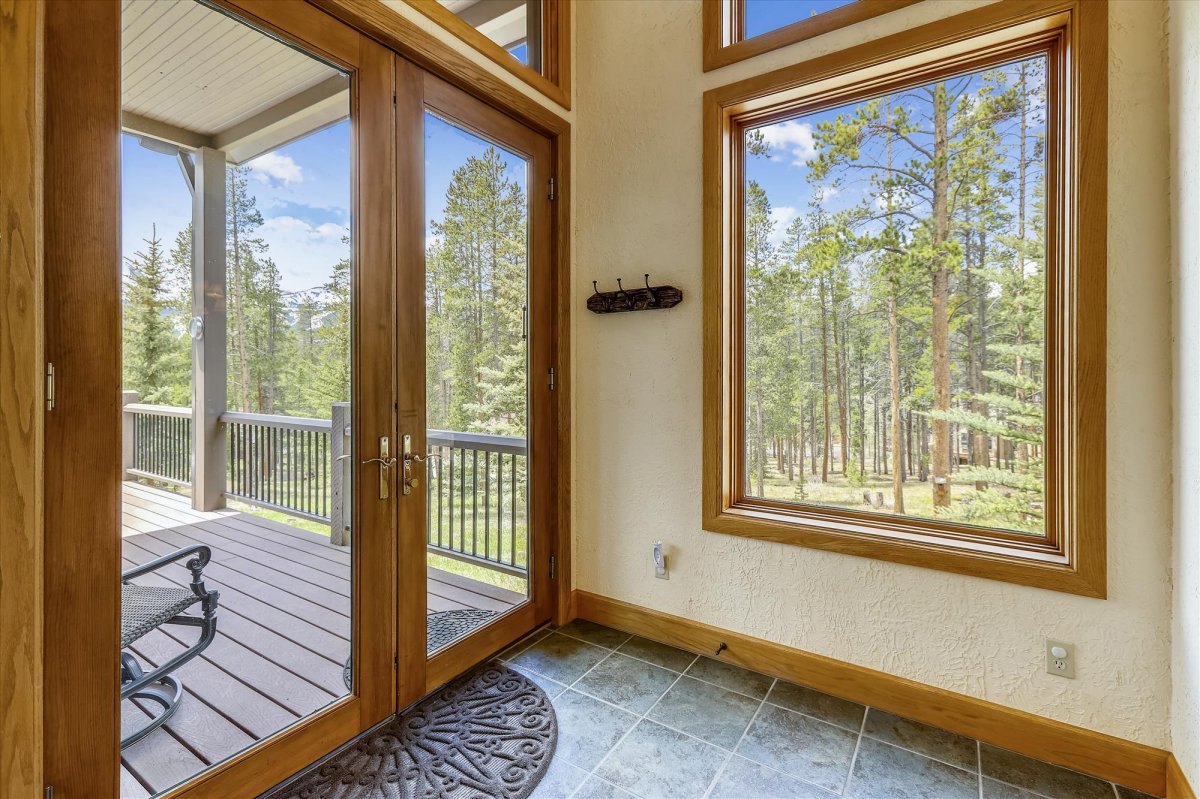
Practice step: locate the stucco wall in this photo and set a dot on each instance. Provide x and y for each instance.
(638, 400)
(1184, 43)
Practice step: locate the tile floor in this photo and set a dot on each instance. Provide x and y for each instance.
(641, 719)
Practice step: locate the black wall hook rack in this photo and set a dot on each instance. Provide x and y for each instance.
(647, 298)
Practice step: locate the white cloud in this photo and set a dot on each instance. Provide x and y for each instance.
(821, 193)
(276, 167)
(782, 216)
(794, 137)
(304, 253)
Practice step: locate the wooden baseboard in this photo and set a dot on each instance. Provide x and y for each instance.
(1124, 762)
(1178, 786)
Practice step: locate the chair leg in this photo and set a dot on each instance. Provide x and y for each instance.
(165, 692)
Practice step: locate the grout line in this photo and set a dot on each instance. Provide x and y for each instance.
(854, 757)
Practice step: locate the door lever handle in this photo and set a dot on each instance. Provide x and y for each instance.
(386, 462)
(409, 481)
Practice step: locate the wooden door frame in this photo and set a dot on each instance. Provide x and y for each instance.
(430, 53)
(82, 521)
(475, 116)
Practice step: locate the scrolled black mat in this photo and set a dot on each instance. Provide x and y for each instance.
(488, 735)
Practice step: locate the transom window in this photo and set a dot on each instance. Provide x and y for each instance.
(910, 322)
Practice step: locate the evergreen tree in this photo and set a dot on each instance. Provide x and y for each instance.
(154, 354)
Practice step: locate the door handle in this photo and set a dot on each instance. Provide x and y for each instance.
(410, 481)
(386, 462)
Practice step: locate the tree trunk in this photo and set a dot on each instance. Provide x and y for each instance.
(825, 434)
(897, 441)
(940, 462)
(839, 342)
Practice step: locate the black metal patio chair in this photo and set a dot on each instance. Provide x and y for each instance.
(145, 608)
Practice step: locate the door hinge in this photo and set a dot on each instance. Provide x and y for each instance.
(395, 662)
(550, 378)
(551, 188)
(49, 386)
(553, 568)
(48, 793)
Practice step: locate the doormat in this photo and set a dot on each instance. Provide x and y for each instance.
(488, 735)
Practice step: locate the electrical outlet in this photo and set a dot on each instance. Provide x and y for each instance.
(1060, 659)
(660, 561)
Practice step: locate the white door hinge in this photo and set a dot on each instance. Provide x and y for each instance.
(551, 378)
(551, 188)
(49, 386)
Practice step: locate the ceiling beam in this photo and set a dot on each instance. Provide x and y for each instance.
(303, 113)
(163, 131)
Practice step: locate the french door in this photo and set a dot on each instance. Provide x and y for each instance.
(476, 383)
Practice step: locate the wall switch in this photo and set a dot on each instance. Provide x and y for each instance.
(1060, 659)
(660, 562)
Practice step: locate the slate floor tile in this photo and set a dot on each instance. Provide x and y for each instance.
(561, 658)
(1130, 793)
(588, 728)
(801, 746)
(998, 790)
(594, 633)
(631, 684)
(726, 675)
(930, 741)
(596, 788)
(656, 762)
(560, 781)
(707, 711)
(882, 771)
(552, 687)
(522, 645)
(659, 654)
(744, 779)
(1039, 777)
(841, 712)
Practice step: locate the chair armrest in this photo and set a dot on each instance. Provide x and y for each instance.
(196, 565)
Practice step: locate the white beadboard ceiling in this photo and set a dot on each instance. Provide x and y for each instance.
(194, 76)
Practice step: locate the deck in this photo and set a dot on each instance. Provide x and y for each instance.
(283, 631)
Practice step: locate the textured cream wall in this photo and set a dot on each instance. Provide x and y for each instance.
(1184, 42)
(638, 400)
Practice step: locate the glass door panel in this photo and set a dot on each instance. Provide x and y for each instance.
(476, 380)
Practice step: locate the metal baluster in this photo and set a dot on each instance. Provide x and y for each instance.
(487, 505)
(499, 507)
(441, 510)
(450, 503)
(512, 553)
(474, 502)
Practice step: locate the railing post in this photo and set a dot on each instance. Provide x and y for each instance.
(208, 330)
(341, 467)
(127, 422)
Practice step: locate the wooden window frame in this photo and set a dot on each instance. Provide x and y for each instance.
(725, 39)
(554, 78)
(1072, 555)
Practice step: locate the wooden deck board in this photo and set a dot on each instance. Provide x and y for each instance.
(282, 632)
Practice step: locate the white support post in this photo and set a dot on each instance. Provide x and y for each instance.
(208, 330)
(127, 398)
(340, 475)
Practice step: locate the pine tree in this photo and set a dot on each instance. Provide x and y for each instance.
(154, 354)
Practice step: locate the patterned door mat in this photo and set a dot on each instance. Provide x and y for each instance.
(488, 735)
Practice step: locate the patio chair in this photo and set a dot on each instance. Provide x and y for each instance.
(145, 608)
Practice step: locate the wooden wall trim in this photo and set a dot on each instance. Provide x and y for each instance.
(1178, 786)
(22, 397)
(1124, 762)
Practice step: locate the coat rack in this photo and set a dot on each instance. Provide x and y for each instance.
(640, 299)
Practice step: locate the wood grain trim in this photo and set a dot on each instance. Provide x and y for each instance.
(724, 27)
(425, 50)
(561, 267)
(1178, 786)
(1124, 762)
(1072, 559)
(22, 397)
(82, 468)
(556, 83)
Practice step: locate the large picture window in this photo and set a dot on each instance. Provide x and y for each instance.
(910, 342)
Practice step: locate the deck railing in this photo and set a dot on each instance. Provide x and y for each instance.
(477, 499)
(475, 485)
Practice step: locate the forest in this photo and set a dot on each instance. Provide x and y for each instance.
(894, 357)
(289, 352)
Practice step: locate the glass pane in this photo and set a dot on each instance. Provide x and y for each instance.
(895, 254)
(477, 379)
(236, 183)
(763, 16)
(515, 25)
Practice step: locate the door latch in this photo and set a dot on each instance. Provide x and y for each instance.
(410, 480)
(386, 462)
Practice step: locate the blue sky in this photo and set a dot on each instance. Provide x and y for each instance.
(302, 189)
(767, 15)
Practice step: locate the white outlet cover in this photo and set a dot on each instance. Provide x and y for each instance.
(1060, 659)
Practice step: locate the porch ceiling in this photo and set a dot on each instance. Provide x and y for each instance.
(194, 77)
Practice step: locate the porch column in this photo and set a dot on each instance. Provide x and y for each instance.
(208, 329)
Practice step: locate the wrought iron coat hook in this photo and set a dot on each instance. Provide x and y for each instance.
(599, 298)
(653, 301)
(621, 292)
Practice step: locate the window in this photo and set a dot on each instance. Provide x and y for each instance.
(735, 30)
(905, 285)
(529, 38)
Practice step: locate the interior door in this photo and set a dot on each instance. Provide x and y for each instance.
(305, 625)
(476, 381)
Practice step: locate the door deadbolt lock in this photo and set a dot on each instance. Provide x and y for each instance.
(409, 480)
